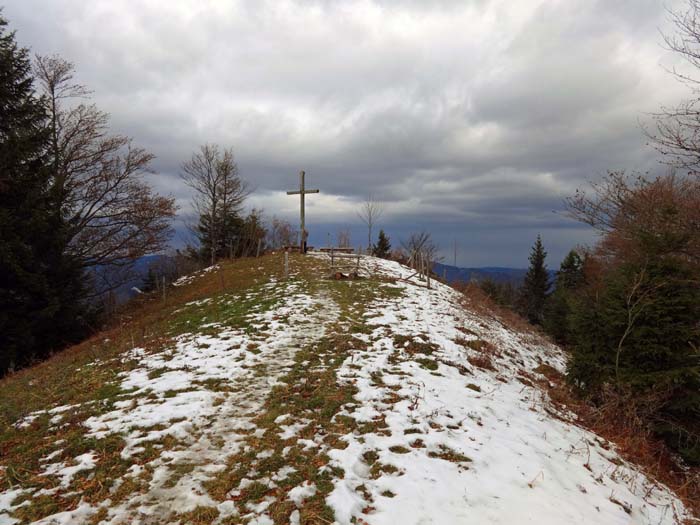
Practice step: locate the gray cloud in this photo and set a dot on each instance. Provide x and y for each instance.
(473, 119)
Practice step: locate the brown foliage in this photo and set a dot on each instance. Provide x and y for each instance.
(637, 215)
(476, 300)
(621, 418)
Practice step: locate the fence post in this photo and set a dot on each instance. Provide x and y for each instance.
(257, 253)
(164, 288)
(286, 264)
(427, 271)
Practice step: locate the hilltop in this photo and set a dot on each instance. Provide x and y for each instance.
(244, 397)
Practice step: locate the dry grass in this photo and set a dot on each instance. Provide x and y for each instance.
(85, 376)
(619, 420)
(62, 379)
(482, 361)
(475, 300)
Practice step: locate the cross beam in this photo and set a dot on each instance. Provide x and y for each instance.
(302, 191)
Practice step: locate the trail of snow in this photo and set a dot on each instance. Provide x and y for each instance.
(497, 455)
(219, 427)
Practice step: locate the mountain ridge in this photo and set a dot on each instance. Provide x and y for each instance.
(245, 397)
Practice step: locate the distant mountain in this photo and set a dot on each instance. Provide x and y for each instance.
(136, 276)
(499, 274)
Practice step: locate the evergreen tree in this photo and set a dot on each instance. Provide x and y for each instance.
(150, 282)
(38, 285)
(570, 274)
(226, 235)
(533, 293)
(383, 247)
(642, 334)
(490, 288)
(558, 308)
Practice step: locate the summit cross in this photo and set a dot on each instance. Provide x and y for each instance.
(302, 191)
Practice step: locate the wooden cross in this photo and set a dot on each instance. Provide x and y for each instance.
(302, 192)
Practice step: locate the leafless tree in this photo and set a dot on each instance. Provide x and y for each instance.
(421, 243)
(343, 239)
(252, 234)
(369, 213)
(97, 179)
(280, 234)
(603, 204)
(420, 247)
(676, 130)
(219, 192)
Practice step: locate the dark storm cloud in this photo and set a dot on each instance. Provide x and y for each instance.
(473, 119)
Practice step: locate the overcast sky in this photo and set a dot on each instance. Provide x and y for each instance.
(471, 119)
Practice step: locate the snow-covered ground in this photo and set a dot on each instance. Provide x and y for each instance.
(523, 466)
(446, 434)
(170, 394)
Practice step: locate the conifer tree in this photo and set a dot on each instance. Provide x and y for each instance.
(635, 329)
(383, 247)
(558, 309)
(536, 285)
(490, 288)
(150, 282)
(570, 274)
(640, 332)
(38, 285)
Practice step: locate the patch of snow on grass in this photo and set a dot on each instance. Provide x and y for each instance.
(66, 472)
(187, 279)
(300, 493)
(468, 445)
(6, 499)
(205, 391)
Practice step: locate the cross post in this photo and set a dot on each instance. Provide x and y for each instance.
(302, 203)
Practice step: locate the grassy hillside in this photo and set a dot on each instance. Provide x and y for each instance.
(243, 397)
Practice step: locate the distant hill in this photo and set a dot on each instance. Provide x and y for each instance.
(136, 276)
(456, 274)
(497, 273)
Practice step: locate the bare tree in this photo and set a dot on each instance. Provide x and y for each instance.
(343, 239)
(280, 233)
(219, 194)
(369, 213)
(97, 180)
(676, 133)
(421, 244)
